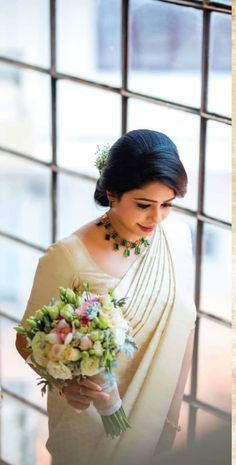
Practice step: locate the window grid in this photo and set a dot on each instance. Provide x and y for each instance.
(204, 115)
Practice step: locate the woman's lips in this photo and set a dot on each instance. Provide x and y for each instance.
(145, 228)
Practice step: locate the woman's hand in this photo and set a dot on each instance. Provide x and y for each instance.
(81, 392)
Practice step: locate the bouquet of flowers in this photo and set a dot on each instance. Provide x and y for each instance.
(81, 334)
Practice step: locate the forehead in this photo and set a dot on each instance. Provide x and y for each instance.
(154, 190)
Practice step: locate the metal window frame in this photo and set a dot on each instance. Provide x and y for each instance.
(201, 218)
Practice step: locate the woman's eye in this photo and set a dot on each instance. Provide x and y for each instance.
(166, 205)
(142, 205)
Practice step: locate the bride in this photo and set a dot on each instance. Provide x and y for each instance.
(134, 249)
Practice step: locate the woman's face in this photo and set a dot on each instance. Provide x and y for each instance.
(139, 211)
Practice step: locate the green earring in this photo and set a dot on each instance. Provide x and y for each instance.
(110, 204)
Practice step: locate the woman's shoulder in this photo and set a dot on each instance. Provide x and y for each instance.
(73, 246)
(70, 246)
(58, 253)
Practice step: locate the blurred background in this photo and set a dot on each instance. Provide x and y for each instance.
(75, 74)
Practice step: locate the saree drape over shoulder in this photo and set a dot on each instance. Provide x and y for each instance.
(162, 313)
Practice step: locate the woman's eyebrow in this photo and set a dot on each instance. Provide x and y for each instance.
(154, 201)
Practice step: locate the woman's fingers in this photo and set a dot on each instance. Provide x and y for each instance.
(79, 392)
(84, 391)
(90, 384)
(79, 402)
(78, 405)
(86, 387)
(82, 400)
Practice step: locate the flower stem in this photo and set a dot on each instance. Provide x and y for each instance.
(116, 423)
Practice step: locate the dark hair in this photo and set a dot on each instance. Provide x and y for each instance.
(137, 158)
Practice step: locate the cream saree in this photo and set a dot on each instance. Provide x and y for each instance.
(162, 313)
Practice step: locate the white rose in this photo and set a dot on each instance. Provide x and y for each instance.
(118, 321)
(40, 348)
(89, 366)
(40, 360)
(53, 338)
(97, 346)
(105, 299)
(38, 342)
(56, 352)
(58, 370)
(119, 335)
(72, 354)
(107, 304)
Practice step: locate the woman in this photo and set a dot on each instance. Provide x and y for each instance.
(151, 265)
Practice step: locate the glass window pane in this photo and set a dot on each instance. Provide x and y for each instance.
(25, 121)
(207, 422)
(87, 117)
(192, 224)
(216, 271)
(17, 376)
(217, 200)
(214, 359)
(17, 267)
(162, 38)
(23, 434)
(24, 32)
(78, 204)
(219, 87)
(89, 39)
(180, 126)
(25, 209)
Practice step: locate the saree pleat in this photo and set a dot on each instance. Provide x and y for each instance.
(151, 302)
(142, 280)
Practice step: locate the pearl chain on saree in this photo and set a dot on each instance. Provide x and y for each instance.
(161, 311)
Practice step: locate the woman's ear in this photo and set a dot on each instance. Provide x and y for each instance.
(111, 197)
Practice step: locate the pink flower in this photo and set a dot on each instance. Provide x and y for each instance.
(82, 309)
(62, 329)
(85, 343)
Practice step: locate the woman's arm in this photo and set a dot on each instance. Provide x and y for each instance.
(168, 434)
(56, 268)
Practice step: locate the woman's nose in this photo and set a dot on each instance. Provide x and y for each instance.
(156, 216)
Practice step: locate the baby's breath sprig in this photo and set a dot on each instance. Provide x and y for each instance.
(102, 155)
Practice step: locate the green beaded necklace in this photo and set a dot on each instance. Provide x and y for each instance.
(118, 241)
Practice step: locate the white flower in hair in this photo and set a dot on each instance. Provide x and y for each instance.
(102, 155)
